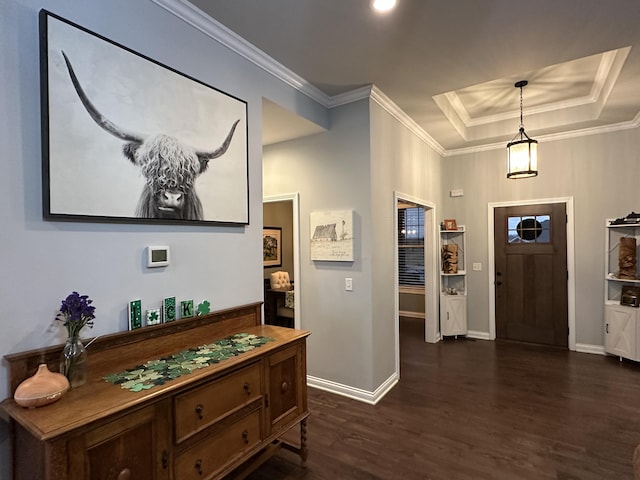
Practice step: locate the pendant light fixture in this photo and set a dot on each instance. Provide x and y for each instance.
(522, 151)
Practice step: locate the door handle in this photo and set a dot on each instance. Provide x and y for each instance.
(498, 283)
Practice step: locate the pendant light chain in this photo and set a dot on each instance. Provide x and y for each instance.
(521, 108)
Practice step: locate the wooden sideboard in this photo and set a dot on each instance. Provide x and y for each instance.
(219, 421)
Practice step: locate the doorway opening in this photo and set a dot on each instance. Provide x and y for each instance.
(282, 211)
(415, 260)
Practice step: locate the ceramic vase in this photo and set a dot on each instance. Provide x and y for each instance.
(73, 362)
(41, 389)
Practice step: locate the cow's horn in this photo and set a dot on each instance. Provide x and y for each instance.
(223, 148)
(96, 115)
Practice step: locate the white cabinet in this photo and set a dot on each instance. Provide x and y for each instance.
(453, 282)
(453, 314)
(620, 330)
(621, 322)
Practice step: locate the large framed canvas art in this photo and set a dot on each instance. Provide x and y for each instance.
(128, 139)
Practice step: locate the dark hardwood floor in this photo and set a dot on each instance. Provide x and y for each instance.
(466, 409)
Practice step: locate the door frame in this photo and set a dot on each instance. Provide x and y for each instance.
(571, 282)
(294, 198)
(431, 295)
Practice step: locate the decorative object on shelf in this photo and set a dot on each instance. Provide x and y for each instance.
(78, 81)
(332, 236)
(630, 296)
(204, 307)
(76, 312)
(627, 258)
(632, 219)
(153, 316)
(162, 370)
(43, 388)
(271, 247)
(169, 309)
(450, 224)
(135, 314)
(186, 309)
(450, 258)
(522, 151)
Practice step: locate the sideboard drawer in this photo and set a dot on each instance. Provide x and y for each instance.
(210, 455)
(205, 405)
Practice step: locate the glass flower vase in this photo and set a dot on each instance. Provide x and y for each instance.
(73, 362)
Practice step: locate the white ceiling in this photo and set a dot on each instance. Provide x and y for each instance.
(451, 65)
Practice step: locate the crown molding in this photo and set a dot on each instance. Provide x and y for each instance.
(226, 37)
(387, 104)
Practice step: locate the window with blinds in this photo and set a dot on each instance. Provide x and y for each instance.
(411, 246)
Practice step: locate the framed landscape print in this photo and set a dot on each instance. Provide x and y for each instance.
(128, 139)
(332, 236)
(272, 247)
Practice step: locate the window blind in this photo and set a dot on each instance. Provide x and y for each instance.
(411, 247)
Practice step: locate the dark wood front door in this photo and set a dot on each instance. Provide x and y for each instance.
(531, 273)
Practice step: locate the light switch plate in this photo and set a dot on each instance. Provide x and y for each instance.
(477, 267)
(348, 284)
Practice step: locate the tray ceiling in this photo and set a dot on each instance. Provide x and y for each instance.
(450, 66)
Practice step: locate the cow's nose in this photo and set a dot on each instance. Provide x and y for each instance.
(173, 199)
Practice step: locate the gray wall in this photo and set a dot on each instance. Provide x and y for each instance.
(600, 172)
(331, 172)
(365, 157)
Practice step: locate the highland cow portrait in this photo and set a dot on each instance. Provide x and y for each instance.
(128, 139)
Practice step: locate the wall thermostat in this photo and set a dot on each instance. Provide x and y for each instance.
(158, 256)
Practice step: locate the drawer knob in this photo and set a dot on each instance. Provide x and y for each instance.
(245, 437)
(284, 387)
(198, 466)
(247, 388)
(125, 474)
(199, 409)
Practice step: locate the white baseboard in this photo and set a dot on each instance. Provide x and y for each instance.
(586, 348)
(352, 392)
(478, 335)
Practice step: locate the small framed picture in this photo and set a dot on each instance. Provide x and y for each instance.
(272, 247)
(450, 224)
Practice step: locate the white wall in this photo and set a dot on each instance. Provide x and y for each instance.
(44, 261)
(600, 172)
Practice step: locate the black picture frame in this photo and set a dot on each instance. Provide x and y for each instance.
(106, 113)
(271, 247)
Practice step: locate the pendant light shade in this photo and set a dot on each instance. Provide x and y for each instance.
(522, 151)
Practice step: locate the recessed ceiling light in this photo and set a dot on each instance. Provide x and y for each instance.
(383, 5)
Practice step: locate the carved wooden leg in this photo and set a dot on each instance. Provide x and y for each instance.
(304, 451)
